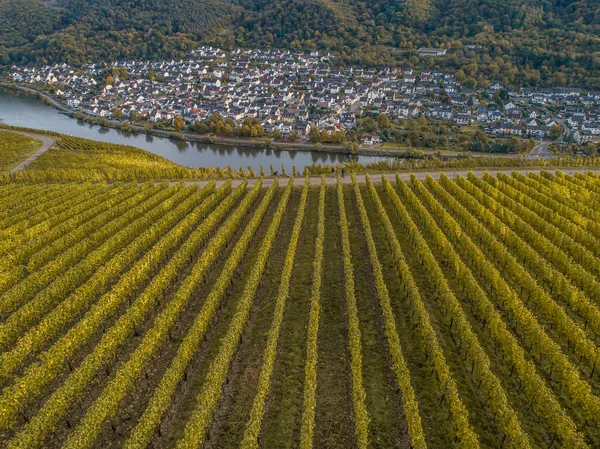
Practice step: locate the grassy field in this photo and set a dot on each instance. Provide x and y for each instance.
(451, 313)
(15, 148)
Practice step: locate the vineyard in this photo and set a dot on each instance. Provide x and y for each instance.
(439, 313)
(14, 148)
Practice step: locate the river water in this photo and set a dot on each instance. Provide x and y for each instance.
(20, 109)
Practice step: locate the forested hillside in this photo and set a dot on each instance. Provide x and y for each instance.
(531, 42)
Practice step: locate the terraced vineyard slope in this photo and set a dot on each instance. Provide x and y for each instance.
(409, 314)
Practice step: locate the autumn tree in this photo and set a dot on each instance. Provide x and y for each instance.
(178, 123)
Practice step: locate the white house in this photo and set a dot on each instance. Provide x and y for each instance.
(432, 51)
(371, 140)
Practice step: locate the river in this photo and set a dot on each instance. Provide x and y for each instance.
(20, 109)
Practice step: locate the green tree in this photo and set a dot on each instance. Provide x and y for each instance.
(555, 132)
(315, 134)
(383, 121)
(369, 125)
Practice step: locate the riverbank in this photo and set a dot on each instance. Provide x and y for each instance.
(260, 144)
(201, 138)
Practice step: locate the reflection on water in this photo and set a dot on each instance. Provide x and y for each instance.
(19, 109)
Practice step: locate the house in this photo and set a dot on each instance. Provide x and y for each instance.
(585, 136)
(423, 51)
(537, 132)
(371, 140)
(463, 119)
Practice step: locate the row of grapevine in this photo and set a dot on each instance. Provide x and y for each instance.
(361, 416)
(71, 308)
(530, 329)
(160, 401)
(126, 376)
(14, 195)
(208, 397)
(91, 216)
(49, 213)
(107, 348)
(42, 249)
(38, 205)
(70, 263)
(93, 230)
(310, 370)
(576, 251)
(497, 399)
(253, 426)
(579, 189)
(56, 220)
(464, 436)
(53, 361)
(569, 191)
(457, 247)
(540, 255)
(563, 218)
(135, 245)
(400, 368)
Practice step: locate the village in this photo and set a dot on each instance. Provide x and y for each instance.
(288, 94)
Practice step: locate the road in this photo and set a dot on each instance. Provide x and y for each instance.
(61, 107)
(316, 180)
(541, 152)
(47, 142)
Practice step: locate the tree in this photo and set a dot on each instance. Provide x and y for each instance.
(277, 135)
(315, 135)
(481, 141)
(178, 123)
(555, 132)
(383, 121)
(471, 83)
(369, 125)
(110, 80)
(220, 128)
(117, 113)
(352, 147)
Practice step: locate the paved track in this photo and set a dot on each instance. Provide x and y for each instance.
(47, 142)
(316, 180)
(541, 151)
